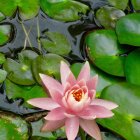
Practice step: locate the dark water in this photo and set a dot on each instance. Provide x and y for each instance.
(74, 31)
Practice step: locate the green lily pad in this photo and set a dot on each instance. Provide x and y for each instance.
(104, 51)
(107, 16)
(136, 4)
(48, 64)
(27, 8)
(20, 73)
(109, 136)
(14, 91)
(2, 17)
(56, 43)
(5, 33)
(104, 79)
(3, 75)
(65, 10)
(127, 29)
(126, 116)
(2, 58)
(13, 127)
(132, 67)
(121, 4)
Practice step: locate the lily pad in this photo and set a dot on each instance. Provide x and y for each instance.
(2, 58)
(2, 17)
(5, 33)
(65, 10)
(136, 4)
(104, 79)
(20, 73)
(27, 8)
(107, 16)
(56, 43)
(109, 136)
(3, 75)
(128, 29)
(14, 91)
(121, 4)
(13, 127)
(126, 116)
(105, 52)
(48, 64)
(132, 67)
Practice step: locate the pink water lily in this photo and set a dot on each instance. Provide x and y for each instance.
(72, 103)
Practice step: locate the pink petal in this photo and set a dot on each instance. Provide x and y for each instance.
(52, 125)
(81, 83)
(107, 104)
(92, 94)
(72, 127)
(85, 72)
(66, 74)
(92, 83)
(44, 103)
(55, 114)
(101, 112)
(91, 128)
(51, 84)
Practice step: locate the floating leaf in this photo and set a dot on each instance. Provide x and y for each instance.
(3, 75)
(136, 4)
(5, 33)
(121, 4)
(2, 58)
(13, 127)
(126, 116)
(27, 8)
(132, 67)
(63, 10)
(127, 29)
(107, 16)
(56, 43)
(104, 79)
(110, 136)
(20, 73)
(48, 64)
(14, 91)
(104, 51)
(2, 17)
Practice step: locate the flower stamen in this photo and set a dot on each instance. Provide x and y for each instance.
(77, 94)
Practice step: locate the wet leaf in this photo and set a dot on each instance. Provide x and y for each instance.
(5, 33)
(136, 4)
(110, 136)
(27, 8)
(2, 17)
(107, 16)
(65, 10)
(3, 75)
(56, 43)
(126, 116)
(13, 127)
(48, 64)
(127, 29)
(2, 58)
(104, 51)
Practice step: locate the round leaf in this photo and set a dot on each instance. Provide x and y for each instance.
(136, 4)
(2, 58)
(63, 10)
(56, 43)
(3, 75)
(128, 29)
(2, 17)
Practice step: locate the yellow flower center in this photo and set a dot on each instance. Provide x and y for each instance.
(77, 94)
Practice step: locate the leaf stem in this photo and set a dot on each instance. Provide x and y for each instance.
(82, 134)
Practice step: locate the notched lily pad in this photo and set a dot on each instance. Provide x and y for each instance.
(27, 8)
(20, 73)
(104, 51)
(56, 43)
(107, 16)
(63, 10)
(126, 117)
(128, 29)
(48, 64)
(13, 127)
(5, 33)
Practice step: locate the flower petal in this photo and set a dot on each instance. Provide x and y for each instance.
(55, 114)
(52, 125)
(85, 72)
(101, 112)
(92, 83)
(72, 127)
(66, 74)
(107, 104)
(43, 103)
(51, 84)
(91, 128)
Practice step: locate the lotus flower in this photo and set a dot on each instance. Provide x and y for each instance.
(72, 103)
